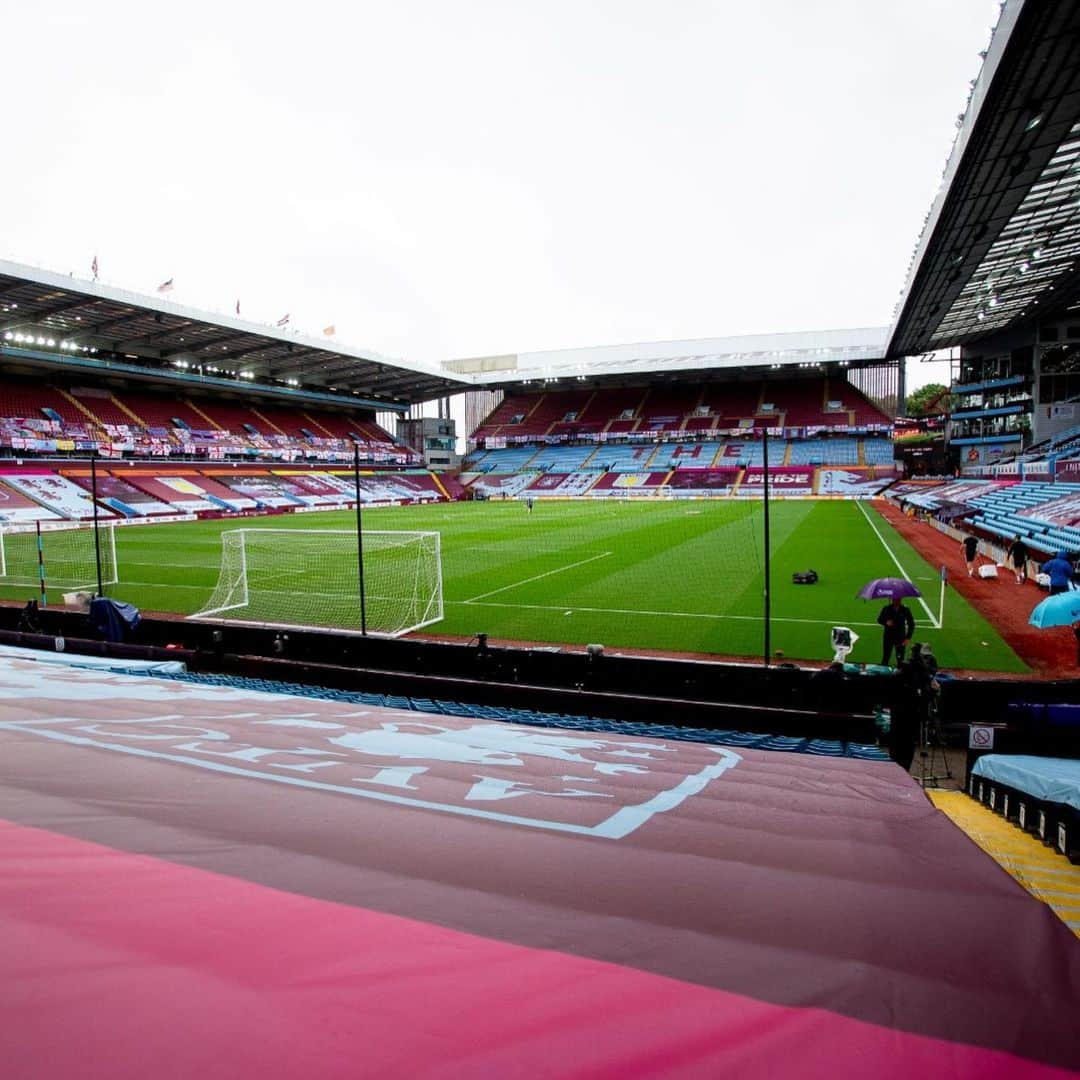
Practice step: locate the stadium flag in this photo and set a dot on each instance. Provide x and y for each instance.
(93, 268)
(330, 331)
(237, 307)
(283, 321)
(166, 286)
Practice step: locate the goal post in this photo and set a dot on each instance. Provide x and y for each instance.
(310, 578)
(67, 559)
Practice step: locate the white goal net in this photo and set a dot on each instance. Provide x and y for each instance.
(68, 556)
(310, 578)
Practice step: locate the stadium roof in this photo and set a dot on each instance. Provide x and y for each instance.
(86, 317)
(683, 359)
(1001, 244)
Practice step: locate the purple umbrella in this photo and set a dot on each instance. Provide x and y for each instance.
(885, 588)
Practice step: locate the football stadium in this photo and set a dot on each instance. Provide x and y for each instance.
(681, 708)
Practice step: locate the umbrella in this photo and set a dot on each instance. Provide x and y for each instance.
(885, 588)
(1060, 610)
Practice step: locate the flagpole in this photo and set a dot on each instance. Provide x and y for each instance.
(768, 568)
(359, 539)
(941, 600)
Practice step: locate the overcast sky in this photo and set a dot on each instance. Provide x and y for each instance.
(455, 179)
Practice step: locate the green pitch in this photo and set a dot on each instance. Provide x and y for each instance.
(681, 576)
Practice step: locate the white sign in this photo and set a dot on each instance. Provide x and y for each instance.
(980, 737)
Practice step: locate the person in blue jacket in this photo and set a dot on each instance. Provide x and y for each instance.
(1060, 572)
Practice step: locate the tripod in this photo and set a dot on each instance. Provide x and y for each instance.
(931, 748)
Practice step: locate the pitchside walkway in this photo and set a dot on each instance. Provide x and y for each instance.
(1045, 874)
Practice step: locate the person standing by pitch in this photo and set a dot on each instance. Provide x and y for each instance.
(970, 544)
(898, 625)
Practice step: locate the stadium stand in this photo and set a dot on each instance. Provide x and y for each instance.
(562, 458)
(624, 457)
(38, 418)
(841, 450)
(512, 459)
(118, 494)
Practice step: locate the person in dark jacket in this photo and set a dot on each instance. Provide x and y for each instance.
(898, 625)
(970, 544)
(1018, 556)
(1060, 572)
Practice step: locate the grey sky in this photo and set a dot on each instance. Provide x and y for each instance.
(444, 180)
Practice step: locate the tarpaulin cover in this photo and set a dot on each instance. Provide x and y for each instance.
(1054, 780)
(204, 881)
(111, 663)
(112, 620)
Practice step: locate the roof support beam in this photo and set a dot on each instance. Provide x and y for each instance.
(149, 339)
(31, 317)
(111, 324)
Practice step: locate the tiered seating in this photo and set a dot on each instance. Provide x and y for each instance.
(564, 459)
(234, 417)
(834, 451)
(613, 404)
(17, 508)
(56, 493)
(551, 415)
(399, 487)
(514, 407)
(627, 484)
(31, 401)
(502, 485)
(511, 459)
(861, 408)
(163, 412)
(266, 489)
(878, 452)
(732, 403)
(960, 491)
(704, 481)
(752, 452)
(316, 488)
(116, 493)
(104, 407)
(38, 418)
(274, 421)
(624, 458)
(563, 484)
(665, 408)
(1047, 516)
(700, 455)
(185, 492)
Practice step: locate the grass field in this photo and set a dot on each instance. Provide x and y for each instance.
(682, 576)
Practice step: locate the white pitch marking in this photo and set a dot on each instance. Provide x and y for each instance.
(672, 614)
(537, 577)
(929, 614)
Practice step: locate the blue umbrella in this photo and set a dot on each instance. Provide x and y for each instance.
(885, 588)
(1060, 610)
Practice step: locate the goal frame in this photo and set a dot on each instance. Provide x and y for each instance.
(217, 614)
(106, 535)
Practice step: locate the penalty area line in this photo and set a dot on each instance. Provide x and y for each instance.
(892, 555)
(537, 577)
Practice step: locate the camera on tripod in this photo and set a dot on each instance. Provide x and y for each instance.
(923, 664)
